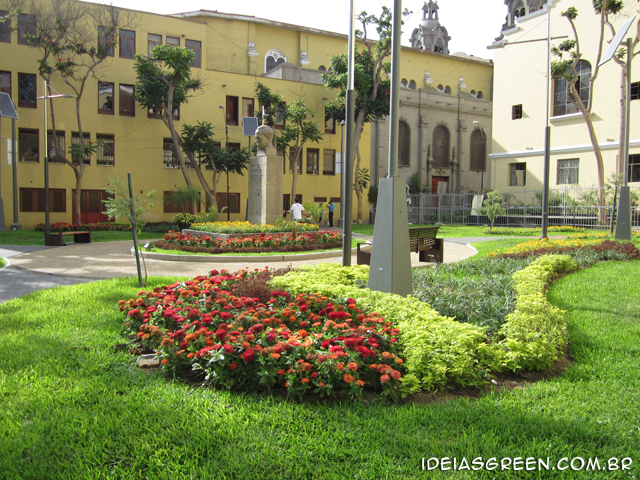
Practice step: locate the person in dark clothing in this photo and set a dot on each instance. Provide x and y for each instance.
(331, 207)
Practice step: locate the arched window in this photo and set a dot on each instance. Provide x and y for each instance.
(403, 82)
(564, 102)
(412, 84)
(480, 95)
(447, 90)
(404, 145)
(440, 88)
(523, 12)
(322, 68)
(473, 92)
(478, 149)
(272, 59)
(441, 147)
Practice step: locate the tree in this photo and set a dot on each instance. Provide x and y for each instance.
(74, 40)
(371, 91)
(197, 142)
(164, 83)
(567, 69)
(492, 206)
(298, 130)
(119, 205)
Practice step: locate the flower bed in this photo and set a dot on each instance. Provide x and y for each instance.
(251, 244)
(306, 343)
(503, 231)
(246, 227)
(95, 227)
(586, 242)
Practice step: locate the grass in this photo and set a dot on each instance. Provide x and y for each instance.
(2, 262)
(73, 408)
(445, 231)
(30, 237)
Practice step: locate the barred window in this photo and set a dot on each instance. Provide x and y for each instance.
(55, 146)
(568, 171)
(404, 145)
(169, 157)
(75, 140)
(106, 154)
(441, 147)
(29, 145)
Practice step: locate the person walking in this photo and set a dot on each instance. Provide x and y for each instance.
(331, 207)
(296, 210)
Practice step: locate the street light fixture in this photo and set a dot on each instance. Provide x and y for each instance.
(226, 146)
(45, 97)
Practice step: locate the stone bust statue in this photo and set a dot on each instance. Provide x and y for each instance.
(264, 139)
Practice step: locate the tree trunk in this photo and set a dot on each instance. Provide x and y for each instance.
(294, 182)
(602, 216)
(356, 141)
(200, 175)
(77, 195)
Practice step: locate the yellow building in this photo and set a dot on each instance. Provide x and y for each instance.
(521, 108)
(233, 52)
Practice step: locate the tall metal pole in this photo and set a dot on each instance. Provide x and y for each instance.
(390, 269)
(547, 138)
(46, 164)
(623, 223)
(134, 229)
(347, 176)
(342, 203)
(14, 147)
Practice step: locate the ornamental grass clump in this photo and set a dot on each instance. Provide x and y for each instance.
(305, 343)
(246, 227)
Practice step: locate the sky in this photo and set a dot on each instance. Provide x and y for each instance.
(471, 24)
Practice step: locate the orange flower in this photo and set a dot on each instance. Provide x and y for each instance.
(275, 355)
(340, 367)
(396, 374)
(348, 378)
(190, 355)
(245, 345)
(305, 380)
(321, 384)
(360, 383)
(352, 366)
(179, 352)
(384, 378)
(164, 361)
(386, 355)
(399, 361)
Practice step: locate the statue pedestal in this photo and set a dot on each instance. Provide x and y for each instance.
(265, 188)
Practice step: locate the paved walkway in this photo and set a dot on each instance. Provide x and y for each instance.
(35, 268)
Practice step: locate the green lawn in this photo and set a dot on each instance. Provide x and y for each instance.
(75, 408)
(30, 237)
(445, 231)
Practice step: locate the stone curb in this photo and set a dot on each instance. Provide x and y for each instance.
(243, 259)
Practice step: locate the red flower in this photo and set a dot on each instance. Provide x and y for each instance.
(233, 366)
(384, 378)
(280, 372)
(348, 378)
(228, 348)
(248, 355)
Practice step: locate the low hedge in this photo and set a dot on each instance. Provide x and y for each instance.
(439, 350)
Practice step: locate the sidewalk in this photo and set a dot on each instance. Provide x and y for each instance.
(35, 268)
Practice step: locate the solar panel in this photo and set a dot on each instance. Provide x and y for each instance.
(6, 107)
(249, 126)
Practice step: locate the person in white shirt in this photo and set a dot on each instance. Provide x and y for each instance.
(296, 210)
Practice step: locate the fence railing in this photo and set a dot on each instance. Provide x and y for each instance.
(577, 207)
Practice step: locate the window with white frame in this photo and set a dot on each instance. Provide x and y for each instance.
(273, 59)
(634, 168)
(564, 102)
(568, 171)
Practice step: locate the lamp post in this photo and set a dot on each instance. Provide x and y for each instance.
(342, 202)
(484, 153)
(461, 85)
(45, 97)
(226, 168)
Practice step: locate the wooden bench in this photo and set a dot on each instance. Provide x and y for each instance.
(57, 239)
(422, 240)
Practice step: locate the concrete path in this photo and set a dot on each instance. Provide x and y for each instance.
(35, 268)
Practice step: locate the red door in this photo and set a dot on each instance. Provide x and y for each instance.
(435, 181)
(91, 207)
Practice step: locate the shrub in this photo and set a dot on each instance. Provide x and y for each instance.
(304, 343)
(184, 220)
(246, 227)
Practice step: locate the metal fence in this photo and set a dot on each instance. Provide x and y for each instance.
(577, 207)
